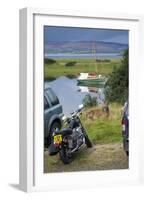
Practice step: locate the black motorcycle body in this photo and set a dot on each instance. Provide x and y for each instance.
(69, 140)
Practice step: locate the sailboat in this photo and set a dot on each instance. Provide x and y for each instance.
(91, 78)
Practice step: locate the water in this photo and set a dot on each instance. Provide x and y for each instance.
(70, 95)
(85, 55)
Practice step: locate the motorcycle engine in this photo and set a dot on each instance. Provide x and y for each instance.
(77, 138)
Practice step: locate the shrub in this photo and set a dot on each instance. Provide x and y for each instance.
(69, 64)
(49, 61)
(116, 88)
(103, 60)
(89, 101)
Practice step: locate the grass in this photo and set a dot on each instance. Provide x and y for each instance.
(102, 128)
(61, 68)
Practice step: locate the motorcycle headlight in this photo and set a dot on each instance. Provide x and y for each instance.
(64, 118)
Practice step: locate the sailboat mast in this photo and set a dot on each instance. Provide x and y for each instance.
(94, 55)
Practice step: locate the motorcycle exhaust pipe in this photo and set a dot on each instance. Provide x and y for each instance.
(77, 147)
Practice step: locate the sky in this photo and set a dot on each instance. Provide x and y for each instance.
(59, 34)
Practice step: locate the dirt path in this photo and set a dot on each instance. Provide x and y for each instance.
(100, 157)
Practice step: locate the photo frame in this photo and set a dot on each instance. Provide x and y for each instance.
(32, 177)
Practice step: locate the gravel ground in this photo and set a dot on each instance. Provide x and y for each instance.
(99, 157)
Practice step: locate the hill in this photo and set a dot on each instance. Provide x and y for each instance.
(84, 47)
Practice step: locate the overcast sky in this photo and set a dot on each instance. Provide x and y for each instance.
(84, 34)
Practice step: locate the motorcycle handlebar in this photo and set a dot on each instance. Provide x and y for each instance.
(76, 112)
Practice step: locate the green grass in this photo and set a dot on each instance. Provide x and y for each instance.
(52, 71)
(103, 129)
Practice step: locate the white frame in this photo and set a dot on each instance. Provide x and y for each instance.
(31, 75)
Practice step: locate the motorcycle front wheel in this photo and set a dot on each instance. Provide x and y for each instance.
(64, 156)
(88, 142)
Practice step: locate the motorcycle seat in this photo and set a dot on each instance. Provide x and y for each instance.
(64, 132)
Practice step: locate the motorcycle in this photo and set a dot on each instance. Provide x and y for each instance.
(69, 140)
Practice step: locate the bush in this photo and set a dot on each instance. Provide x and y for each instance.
(89, 101)
(103, 60)
(69, 64)
(49, 61)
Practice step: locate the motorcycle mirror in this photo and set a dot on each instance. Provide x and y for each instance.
(81, 106)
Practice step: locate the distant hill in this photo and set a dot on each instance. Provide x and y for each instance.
(84, 47)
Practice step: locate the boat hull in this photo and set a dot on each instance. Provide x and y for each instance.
(89, 82)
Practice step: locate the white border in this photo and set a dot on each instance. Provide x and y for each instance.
(31, 79)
